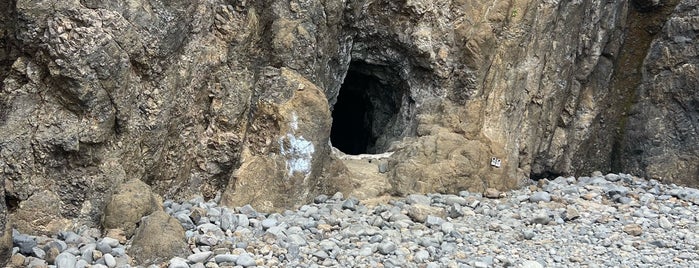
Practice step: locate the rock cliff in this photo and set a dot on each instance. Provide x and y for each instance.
(244, 97)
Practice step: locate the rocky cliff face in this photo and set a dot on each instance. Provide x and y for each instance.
(243, 96)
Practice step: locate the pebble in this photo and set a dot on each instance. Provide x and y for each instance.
(624, 220)
(200, 257)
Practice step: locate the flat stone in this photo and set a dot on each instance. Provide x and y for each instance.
(200, 257)
(221, 258)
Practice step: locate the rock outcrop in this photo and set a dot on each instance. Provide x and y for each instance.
(663, 124)
(199, 97)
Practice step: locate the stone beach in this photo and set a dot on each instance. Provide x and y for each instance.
(614, 220)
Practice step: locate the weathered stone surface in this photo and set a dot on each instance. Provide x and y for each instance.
(131, 201)
(40, 214)
(663, 130)
(193, 97)
(286, 147)
(158, 238)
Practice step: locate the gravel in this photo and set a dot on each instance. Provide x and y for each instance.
(614, 220)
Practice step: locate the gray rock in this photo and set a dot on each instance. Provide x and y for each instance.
(320, 199)
(81, 264)
(110, 241)
(243, 220)
(109, 260)
(433, 221)
(540, 197)
(39, 253)
(612, 177)
(349, 204)
(248, 210)
(268, 223)
(386, 248)
(664, 223)
(24, 242)
(541, 218)
(200, 257)
(421, 256)
(528, 234)
(447, 227)
(321, 255)
(65, 260)
(297, 239)
(229, 220)
(178, 262)
(230, 258)
(418, 199)
(531, 264)
(104, 247)
(185, 220)
(245, 260)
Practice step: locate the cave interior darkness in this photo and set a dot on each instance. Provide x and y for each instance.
(367, 114)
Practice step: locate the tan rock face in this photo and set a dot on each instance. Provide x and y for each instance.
(200, 97)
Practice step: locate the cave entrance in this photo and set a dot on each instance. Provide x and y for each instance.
(372, 110)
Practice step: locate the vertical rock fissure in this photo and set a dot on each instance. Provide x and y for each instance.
(643, 25)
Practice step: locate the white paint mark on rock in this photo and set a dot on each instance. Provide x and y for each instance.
(299, 154)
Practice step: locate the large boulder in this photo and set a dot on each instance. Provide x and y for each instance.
(158, 238)
(286, 147)
(132, 201)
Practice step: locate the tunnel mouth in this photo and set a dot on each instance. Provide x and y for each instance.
(373, 109)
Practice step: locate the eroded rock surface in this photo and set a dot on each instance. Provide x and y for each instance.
(198, 97)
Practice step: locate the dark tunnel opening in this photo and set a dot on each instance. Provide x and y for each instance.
(371, 111)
